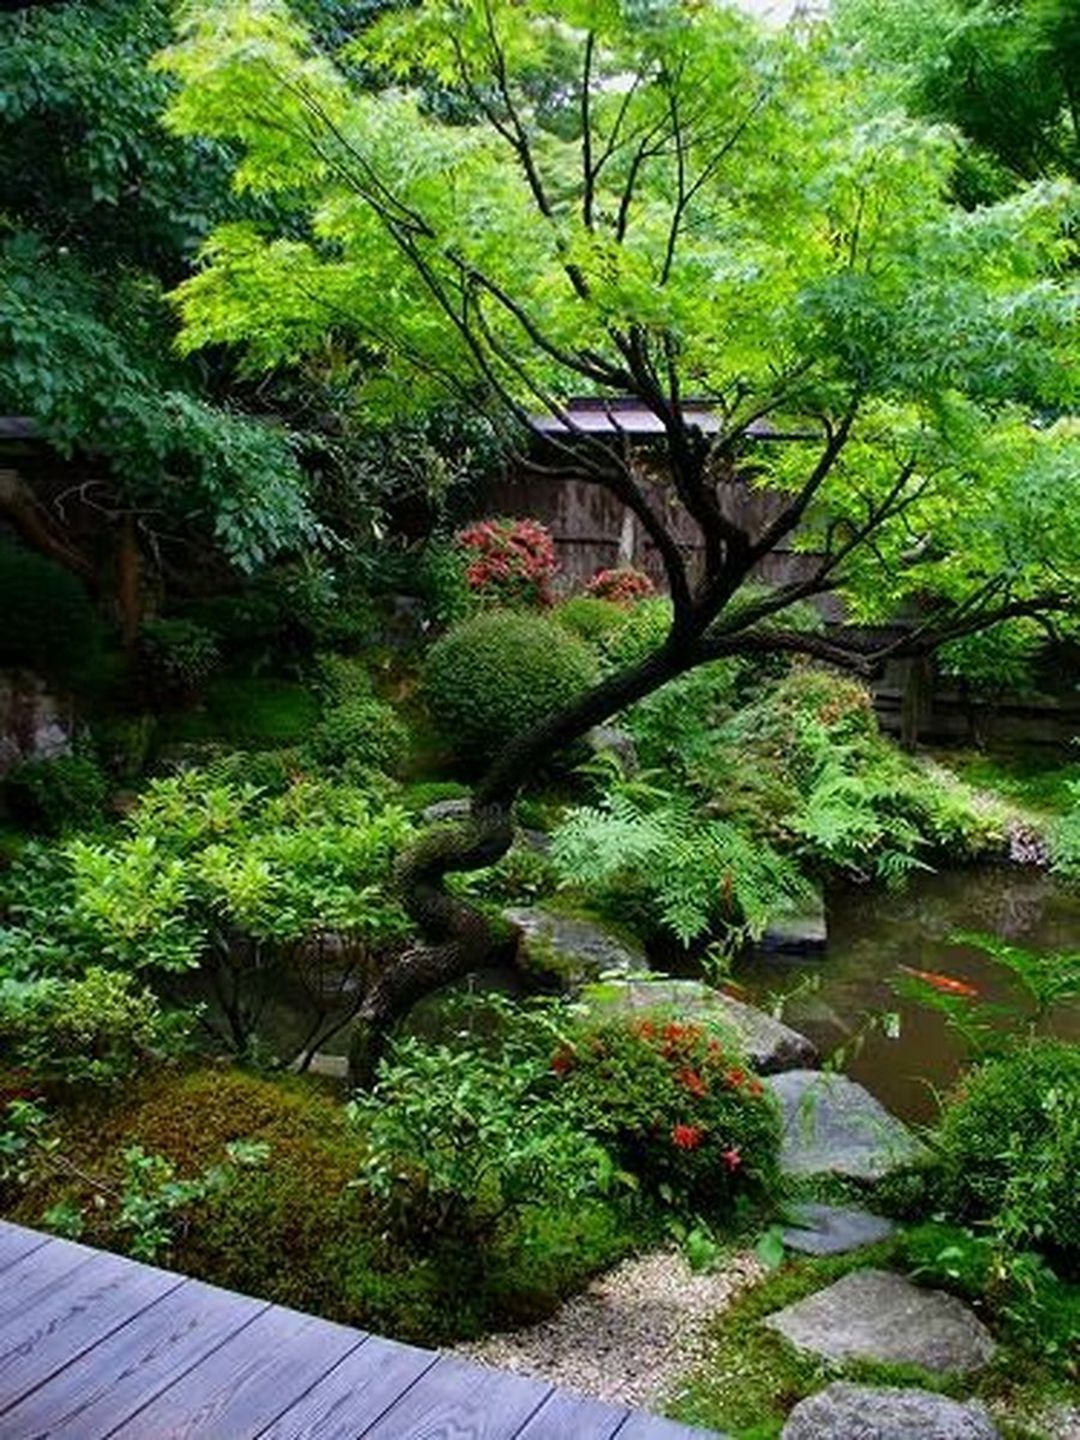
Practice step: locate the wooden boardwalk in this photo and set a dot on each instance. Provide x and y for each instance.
(95, 1345)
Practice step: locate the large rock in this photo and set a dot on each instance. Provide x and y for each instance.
(804, 932)
(769, 1044)
(865, 1412)
(570, 949)
(876, 1315)
(442, 810)
(833, 1229)
(832, 1126)
(34, 723)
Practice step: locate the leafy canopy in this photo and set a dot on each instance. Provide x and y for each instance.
(664, 200)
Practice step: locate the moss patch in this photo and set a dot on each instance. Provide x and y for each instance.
(752, 1377)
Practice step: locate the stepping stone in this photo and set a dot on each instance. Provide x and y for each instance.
(876, 1315)
(865, 1412)
(569, 949)
(768, 1044)
(833, 1229)
(832, 1126)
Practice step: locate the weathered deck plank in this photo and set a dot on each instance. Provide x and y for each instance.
(454, 1400)
(355, 1394)
(107, 1385)
(93, 1345)
(74, 1315)
(16, 1242)
(246, 1383)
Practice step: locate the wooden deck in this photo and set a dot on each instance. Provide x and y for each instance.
(95, 1345)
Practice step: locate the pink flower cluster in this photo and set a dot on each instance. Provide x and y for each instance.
(623, 585)
(513, 561)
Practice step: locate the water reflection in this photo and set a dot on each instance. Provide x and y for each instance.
(872, 933)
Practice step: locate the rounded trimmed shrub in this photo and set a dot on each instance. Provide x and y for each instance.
(176, 658)
(677, 1105)
(498, 674)
(366, 732)
(1010, 1143)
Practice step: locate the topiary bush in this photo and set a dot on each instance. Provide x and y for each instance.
(678, 1107)
(623, 585)
(361, 732)
(1009, 1138)
(510, 562)
(500, 673)
(67, 793)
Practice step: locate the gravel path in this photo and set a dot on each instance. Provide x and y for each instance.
(629, 1335)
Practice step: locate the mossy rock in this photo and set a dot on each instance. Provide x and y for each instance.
(571, 950)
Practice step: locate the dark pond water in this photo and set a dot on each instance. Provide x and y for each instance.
(873, 933)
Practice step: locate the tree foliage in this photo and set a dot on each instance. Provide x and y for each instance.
(102, 211)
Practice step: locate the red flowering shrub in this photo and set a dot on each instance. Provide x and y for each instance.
(676, 1105)
(623, 585)
(511, 562)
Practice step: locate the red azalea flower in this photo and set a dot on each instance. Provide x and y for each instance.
(692, 1082)
(731, 1158)
(562, 1061)
(687, 1137)
(736, 1077)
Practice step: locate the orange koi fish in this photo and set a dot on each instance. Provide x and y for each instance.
(946, 983)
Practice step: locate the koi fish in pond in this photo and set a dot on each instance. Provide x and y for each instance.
(947, 984)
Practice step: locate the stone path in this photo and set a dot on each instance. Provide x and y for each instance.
(864, 1412)
(833, 1229)
(629, 1335)
(876, 1315)
(832, 1126)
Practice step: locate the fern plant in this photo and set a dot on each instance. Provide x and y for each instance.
(695, 872)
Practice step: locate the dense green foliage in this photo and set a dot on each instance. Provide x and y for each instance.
(50, 625)
(67, 793)
(1010, 1141)
(96, 1029)
(496, 675)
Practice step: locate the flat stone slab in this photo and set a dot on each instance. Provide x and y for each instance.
(570, 949)
(769, 1044)
(867, 1412)
(876, 1315)
(833, 1229)
(832, 1126)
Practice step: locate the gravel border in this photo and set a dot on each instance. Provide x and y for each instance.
(629, 1335)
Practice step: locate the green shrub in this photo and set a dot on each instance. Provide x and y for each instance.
(678, 1108)
(364, 732)
(460, 1139)
(644, 629)
(97, 1029)
(67, 793)
(1010, 1143)
(342, 677)
(50, 625)
(176, 658)
(591, 618)
(499, 674)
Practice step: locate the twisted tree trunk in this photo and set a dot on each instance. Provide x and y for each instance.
(457, 939)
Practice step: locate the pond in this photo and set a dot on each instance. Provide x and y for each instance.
(834, 999)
